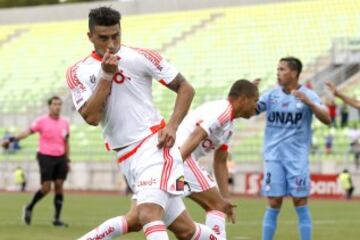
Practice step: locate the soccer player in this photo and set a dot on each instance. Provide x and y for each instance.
(52, 156)
(112, 86)
(351, 101)
(205, 130)
(208, 129)
(289, 110)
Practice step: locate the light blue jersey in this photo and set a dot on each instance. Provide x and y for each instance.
(287, 141)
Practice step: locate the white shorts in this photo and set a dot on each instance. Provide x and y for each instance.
(173, 205)
(145, 166)
(196, 178)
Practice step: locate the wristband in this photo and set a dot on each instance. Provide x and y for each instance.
(104, 75)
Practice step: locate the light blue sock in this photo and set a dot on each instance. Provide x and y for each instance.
(269, 223)
(305, 223)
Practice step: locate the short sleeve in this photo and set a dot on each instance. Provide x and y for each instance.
(215, 119)
(36, 125)
(80, 92)
(158, 67)
(262, 104)
(315, 98)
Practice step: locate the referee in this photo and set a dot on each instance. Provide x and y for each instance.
(52, 156)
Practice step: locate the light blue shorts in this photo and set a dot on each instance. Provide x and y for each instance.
(286, 178)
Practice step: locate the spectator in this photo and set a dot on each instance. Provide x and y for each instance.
(329, 143)
(346, 183)
(332, 111)
(20, 179)
(309, 85)
(344, 110)
(354, 135)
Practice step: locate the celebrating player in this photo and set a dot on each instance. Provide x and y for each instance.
(113, 87)
(207, 129)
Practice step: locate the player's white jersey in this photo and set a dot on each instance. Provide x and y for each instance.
(130, 114)
(216, 119)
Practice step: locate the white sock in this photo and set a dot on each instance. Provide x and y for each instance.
(112, 227)
(204, 233)
(216, 221)
(155, 230)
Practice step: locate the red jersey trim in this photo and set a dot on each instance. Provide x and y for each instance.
(96, 56)
(154, 129)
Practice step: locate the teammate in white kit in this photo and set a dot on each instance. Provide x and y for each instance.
(207, 129)
(112, 86)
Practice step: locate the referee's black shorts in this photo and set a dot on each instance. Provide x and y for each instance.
(51, 167)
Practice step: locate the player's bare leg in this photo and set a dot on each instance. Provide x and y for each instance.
(150, 217)
(184, 229)
(216, 207)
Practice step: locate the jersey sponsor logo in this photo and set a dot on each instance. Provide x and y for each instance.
(180, 184)
(301, 184)
(73, 80)
(102, 235)
(119, 77)
(216, 229)
(77, 95)
(92, 79)
(152, 56)
(150, 182)
(285, 117)
(208, 145)
(285, 105)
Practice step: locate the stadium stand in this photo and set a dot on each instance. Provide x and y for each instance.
(211, 48)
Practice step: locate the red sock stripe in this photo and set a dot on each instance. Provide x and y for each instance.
(197, 233)
(124, 225)
(155, 228)
(198, 174)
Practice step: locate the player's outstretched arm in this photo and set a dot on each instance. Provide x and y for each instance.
(20, 136)
(185, 93)
(320, 112)
(92, 111)
(192, 142)
(351, 101)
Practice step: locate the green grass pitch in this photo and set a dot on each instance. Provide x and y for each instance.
(333, 220)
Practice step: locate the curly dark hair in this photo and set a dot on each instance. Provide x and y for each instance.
(103, 16)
